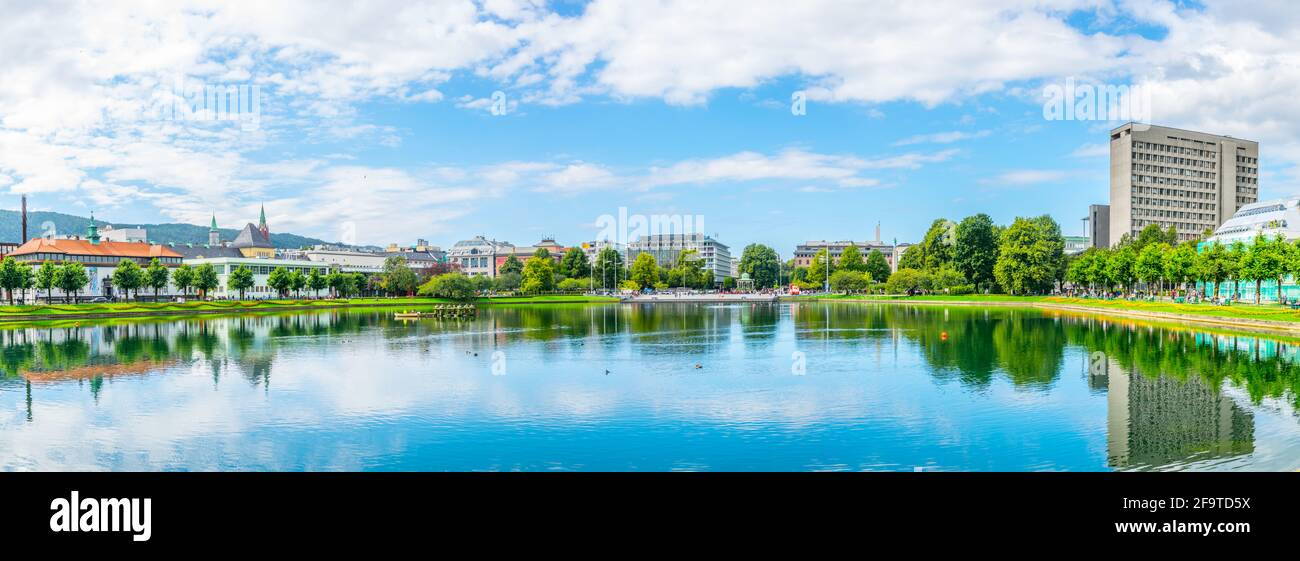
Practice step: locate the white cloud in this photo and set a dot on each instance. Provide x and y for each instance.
(1027, 177)
(941, 137)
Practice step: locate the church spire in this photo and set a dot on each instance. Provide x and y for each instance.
(214, 237)
(261, 224)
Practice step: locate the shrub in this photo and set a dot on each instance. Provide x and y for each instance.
(455, 286)
(844, 280)
(962, 289)
(905, 280)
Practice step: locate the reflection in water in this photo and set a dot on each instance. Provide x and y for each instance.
(675, 386)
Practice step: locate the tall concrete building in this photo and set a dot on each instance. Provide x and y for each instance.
(1190, 180)
(1098, 225)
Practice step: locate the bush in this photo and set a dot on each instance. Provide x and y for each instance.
(574, 285)
(845, 280)
(962, 289)
(907, 280)
(947, 278)
(455, 286)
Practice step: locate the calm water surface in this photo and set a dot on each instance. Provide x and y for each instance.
(650, 387)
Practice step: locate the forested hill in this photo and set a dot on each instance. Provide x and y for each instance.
(67, 224)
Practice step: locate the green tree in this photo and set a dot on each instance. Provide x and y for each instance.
(279, 280)
(1266, 261)
(512, 264)
(206, 279)
(1076, 273)
(156, 277)
(1030, 256)
(574, 265)
(128, 276)
(906, 281)
(1153, 235)
(1150, 264)
(297, 281)
(45, 278)
(851, 259)
(538, 275)
(337, 282)
(508, 282)
(183, 278)
(762, 264)
(9, 276)
(845, 280)
(455, 286)
(608, 268)
(398, 278)
(975, 251)
(876, 266)
(241, 279)
(821, 267)
(71, 278)
(1233, 263)
(690, 270)
(1180, 264)
(644, 271)
(1120, 267)
(1210, 265)
(316, 282)
(937, 248)
(26, 279)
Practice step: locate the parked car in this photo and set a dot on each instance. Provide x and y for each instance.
(99, 300)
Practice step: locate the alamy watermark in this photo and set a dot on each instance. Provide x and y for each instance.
(194, 101)
(1102, 102)
(627, 227)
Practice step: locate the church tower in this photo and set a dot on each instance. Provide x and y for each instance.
(261, 224)
(92, 231)
(214, 237)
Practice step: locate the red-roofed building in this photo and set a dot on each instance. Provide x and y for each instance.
(99, 258)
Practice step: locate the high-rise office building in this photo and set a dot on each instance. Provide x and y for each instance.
(1193, 181)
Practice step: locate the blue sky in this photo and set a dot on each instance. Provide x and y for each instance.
(375, 121)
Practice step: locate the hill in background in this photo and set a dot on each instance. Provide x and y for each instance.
(67, 224)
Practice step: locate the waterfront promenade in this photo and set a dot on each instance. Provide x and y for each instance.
(672, 298)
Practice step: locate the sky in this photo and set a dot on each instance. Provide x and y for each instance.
(765, 121)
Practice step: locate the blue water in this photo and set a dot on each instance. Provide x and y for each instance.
(666, 387)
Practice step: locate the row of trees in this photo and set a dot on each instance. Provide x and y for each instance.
(1025, 257)
(1155, 265)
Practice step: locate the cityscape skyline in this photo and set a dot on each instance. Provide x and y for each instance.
(476, 129)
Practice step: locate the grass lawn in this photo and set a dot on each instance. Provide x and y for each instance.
(236, 306)
(1266, 311)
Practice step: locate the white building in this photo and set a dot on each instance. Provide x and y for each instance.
(137, 235)
(348, 261)
(1269, 218)
(478, 255)
(665, 248)
(261, 270)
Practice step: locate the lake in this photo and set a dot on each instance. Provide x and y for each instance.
(757, 386)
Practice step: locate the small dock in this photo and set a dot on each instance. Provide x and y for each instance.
(441, 311)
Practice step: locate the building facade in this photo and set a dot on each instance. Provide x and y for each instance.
(478, 255)
(100, 258)
(1171, 177)
(666, 248)
(804, 252)
(524, 253)
(1098, 225)
(261, 268)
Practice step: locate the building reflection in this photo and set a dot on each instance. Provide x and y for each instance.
(1155, 421)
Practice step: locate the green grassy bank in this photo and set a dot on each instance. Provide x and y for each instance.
(1272, 313)
(128, 309)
